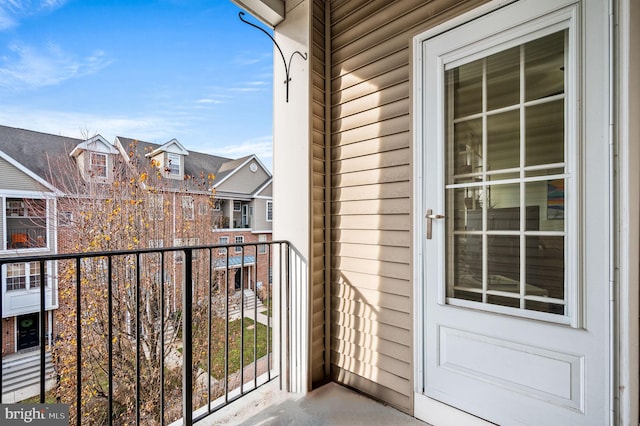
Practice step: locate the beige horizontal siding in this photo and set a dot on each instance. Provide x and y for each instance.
(372, 176)
(15, 179)
(371, 190)
(363, 251)
(376, 162)
(375, 356)
(375, 297)
(397, 222)
(382, 207)
(349, 86)
(376, 145)
(391, 285)
(389, 101)
(383, 128)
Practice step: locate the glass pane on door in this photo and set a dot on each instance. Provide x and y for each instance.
(505, 178)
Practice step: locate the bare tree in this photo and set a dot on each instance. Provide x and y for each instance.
(135, 298)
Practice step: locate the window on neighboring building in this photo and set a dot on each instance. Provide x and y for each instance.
(187, 208)
(155, 243)
(26, 223)
(223, 240)
(262, 248)
(269, 211)
(237, 206)
(154, 258)
(216, 205)
(156, 206)
(203, 208)
(16, 276)
(98, 164)
(65, 218)
(239, 240)
(179, 254)
(173, 164)
(34, 275)
(23, 276)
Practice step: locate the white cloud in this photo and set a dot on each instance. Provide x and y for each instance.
(31, 67)
(244, 89)
(208, 101)
(14, 11)
(261, 146)
(79, 125)
(5, 21)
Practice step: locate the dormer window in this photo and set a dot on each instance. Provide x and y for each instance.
(173, 164)
(92, 158)
(98, 164)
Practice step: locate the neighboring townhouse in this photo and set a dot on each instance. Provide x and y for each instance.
(28, 204)
(213, 200)
(50, 184)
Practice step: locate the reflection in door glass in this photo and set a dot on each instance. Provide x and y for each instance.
(506, 176)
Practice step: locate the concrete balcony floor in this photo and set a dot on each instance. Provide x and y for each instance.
(331, 404)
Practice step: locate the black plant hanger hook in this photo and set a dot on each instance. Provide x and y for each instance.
(287, 66)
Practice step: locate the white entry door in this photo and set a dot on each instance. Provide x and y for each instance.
(514, 199)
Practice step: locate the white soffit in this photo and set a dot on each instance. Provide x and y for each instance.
(271, 12)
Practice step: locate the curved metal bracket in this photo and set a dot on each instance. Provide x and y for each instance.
(287, 66)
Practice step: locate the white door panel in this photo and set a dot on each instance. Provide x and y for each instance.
(515, 289)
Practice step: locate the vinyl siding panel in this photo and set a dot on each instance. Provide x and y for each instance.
(318, 356)
(370, 195)
(244, 180)
(17, 180)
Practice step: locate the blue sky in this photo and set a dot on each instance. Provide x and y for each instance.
(149, 70)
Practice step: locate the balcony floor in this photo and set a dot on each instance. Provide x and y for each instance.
(331, 404)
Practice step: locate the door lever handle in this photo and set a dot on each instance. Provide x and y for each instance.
(430, 217)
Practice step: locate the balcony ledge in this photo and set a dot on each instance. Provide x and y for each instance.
(331, 404)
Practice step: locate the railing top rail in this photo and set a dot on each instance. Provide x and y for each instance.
(94, 254)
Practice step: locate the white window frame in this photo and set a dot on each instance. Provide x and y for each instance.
(188, 208)
(269, 211)
(215, 205)
(173, 164)
(159, 243)
(17, 272)
(239, 239)
(262, 248)
(156, 206)
(178, 254)
(203, 208)
(223, 240)
(94, 166)
(30, 274)
(246, 216)
(65, 218)
(20, 208)
(237, 206)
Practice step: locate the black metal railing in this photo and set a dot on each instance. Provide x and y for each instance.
(154, 336)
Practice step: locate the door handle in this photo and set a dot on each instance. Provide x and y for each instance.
(430, 216)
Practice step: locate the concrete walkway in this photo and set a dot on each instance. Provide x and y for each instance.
(330, 405)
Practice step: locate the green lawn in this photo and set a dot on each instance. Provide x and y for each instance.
(218, 351)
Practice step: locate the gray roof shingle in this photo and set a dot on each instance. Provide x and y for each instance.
(43, 153)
